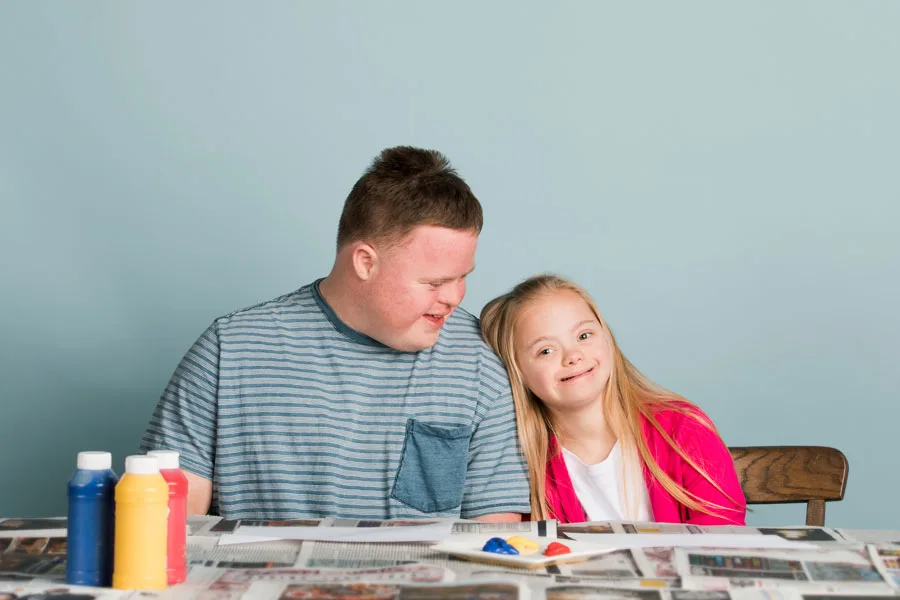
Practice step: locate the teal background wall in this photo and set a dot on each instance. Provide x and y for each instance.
(723, 177)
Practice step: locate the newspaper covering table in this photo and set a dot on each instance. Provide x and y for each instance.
(841, 563)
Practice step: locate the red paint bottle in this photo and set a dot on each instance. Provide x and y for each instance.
(176, 550)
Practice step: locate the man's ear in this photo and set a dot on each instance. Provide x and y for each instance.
(365, 261)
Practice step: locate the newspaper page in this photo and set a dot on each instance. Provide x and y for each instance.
(597, 592)
(369, 590)
(592, 592)
(639, 527)
(886, 558)
(408, 581)
(340, 555)
(533, 529)
(588, 531)
(337, 555)
(614, 569)
(220, 526)
(52, 546)
(57, 591)
(801, 534)
(34, 565)
(543, 529)
(621, 569)
(656, 563)
(216, 526)
(598, 527)
(616, 565)
(198, 524)
(268, 583)
(399, 574)
(204, 551)
(816, 535)
(832, 569)
(350, 555)
(870, 536)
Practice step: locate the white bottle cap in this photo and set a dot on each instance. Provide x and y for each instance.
(94, 461)
(168, 459)
(141, 465)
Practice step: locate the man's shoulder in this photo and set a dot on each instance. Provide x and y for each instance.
(462, 324)
(463, 331)
(293, 304)
(461, 339)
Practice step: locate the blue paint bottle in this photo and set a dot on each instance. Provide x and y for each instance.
(89, 559)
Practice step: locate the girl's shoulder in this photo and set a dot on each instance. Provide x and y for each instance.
(677, 415)
(687, 426)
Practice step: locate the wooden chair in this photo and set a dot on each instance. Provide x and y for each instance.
(787, 474)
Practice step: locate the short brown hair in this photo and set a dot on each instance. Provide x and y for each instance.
(403, 188)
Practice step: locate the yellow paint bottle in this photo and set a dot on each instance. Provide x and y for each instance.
(142, 502)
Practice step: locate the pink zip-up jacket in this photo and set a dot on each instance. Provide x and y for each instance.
(699, 442)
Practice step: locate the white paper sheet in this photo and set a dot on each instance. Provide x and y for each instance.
(33, 533)
(431, 532)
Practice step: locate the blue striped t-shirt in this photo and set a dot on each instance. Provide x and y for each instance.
(292, 415)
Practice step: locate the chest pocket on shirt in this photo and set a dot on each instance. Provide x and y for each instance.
(433, 466)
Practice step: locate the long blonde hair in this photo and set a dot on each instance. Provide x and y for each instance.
(629, 397)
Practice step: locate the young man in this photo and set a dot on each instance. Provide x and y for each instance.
(365, 394)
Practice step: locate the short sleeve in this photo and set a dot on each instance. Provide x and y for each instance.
(497, 476)
(185, 416)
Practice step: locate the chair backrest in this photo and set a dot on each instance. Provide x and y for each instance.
(783, 474)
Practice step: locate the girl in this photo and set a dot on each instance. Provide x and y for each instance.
(602, 442)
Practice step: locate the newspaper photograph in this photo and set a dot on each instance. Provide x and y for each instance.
(29, 545)
(656, 563)
(599, 527)
(21, 526)
(832, 570)
(802, 534)
(638, 528)
(615, 565)
(589, 592)
(375, 591)
(30, 566)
